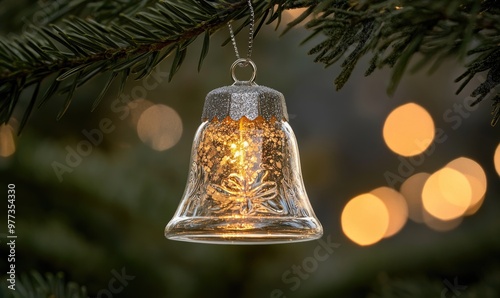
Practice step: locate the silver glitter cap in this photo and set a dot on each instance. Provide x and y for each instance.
(244, 99)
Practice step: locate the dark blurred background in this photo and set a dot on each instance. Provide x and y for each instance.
(101, 211)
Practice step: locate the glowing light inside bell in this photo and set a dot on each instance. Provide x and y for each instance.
(245, 186)
(250, 155)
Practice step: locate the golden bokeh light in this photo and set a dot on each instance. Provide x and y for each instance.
(136, 108)
(447, 194)
(496, 159)
(411, 190)
(409, 130)
(441, 225)
(396, 206)
(477, 180)
(365, 219)
(292, 14)
(7, 143)
(160, 127)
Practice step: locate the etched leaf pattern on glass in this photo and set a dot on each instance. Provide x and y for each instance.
(197, 182)
(246, 196)
(290, 191)
(245, 168)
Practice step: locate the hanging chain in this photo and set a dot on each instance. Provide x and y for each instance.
(250, 34)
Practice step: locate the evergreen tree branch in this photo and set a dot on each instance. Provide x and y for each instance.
(85, 38)
(394, 31)
(51, 12)
(79, 49)
(102, 11)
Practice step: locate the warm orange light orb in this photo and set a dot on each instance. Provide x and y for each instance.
(7, 144)
(447, 194)
(496, 159)
(396, 206)
(365, 219)
(441, 225)
(411, 190)
(292, 14)
(477, 180)
(409, 130)
(160, 127)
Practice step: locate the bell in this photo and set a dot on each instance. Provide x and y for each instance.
(245, 183)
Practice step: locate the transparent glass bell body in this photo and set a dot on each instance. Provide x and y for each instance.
(245, 186)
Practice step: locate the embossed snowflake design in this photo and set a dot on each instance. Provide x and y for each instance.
(246, 197)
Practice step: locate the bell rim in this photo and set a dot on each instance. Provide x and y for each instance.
(267, 230)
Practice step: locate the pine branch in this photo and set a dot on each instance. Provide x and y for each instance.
(79, 49)
(86, 38)
(51, 12)
(393, 32)
(100, 10)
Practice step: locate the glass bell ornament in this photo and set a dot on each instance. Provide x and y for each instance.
(245, 183)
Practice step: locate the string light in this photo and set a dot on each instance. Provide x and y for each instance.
(7, 144)
(447, 194)
(365, 219)
(160, 127)
(409, 130)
